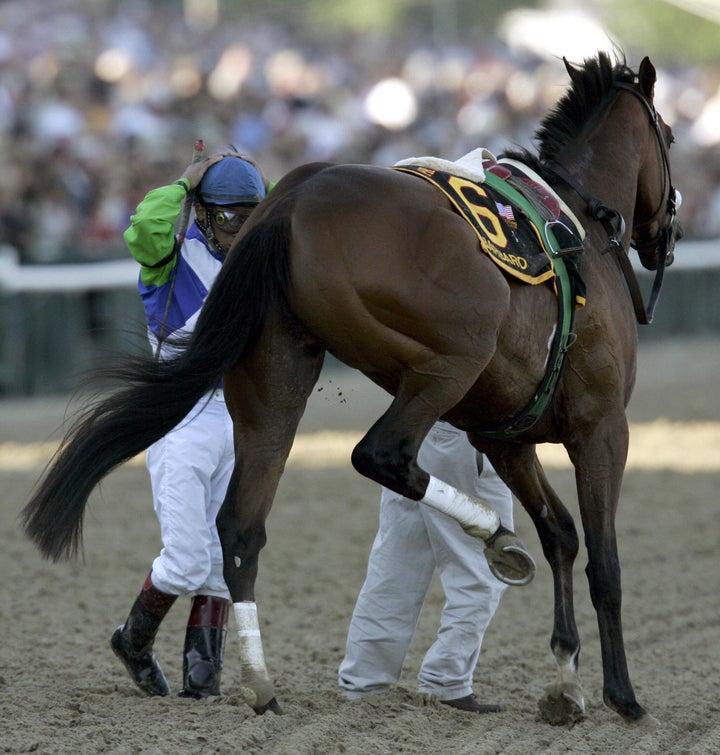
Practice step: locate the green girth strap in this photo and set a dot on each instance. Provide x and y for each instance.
(564, 337)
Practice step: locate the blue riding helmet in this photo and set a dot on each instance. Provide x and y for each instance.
(231, 181)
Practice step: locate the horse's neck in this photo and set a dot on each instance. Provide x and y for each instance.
(607, 165)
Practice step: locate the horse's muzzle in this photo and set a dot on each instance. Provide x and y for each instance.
(660, 250)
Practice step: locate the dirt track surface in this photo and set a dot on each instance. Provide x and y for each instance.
(62, 690)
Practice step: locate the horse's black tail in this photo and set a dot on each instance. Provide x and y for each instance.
(155, 396)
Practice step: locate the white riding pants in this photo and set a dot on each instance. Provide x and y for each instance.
(190, 470)
(413, 540)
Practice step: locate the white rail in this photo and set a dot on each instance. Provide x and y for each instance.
(88, 276)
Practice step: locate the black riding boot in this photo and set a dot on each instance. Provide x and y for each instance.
(133, 641)
(204, 647)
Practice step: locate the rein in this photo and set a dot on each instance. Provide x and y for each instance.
(614, 223)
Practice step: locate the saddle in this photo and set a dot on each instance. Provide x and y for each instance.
(520, 222)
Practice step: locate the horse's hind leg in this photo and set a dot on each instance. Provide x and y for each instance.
(388, 455)
(266, 396)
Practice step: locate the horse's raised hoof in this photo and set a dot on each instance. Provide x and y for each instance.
(564, 706)
(273, 706)
(508, 558)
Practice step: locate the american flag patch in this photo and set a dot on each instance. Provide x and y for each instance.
(506, 211)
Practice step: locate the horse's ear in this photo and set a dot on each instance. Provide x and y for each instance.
(647, 77)
(572, 71)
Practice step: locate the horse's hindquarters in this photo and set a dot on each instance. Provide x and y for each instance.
(388, 277)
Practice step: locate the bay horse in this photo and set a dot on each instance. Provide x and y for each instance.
(376, 267)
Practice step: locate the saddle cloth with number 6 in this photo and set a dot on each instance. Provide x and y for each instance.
(478, 186)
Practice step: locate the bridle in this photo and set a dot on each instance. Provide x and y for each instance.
(614, 223)
(673, 201)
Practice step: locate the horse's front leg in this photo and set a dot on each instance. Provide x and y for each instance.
(599, 459)
(564, 700)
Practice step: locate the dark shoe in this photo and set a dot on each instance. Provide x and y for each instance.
(202, 662)
(133, 642)
(470, 704)
(142, 665)
(204, 647)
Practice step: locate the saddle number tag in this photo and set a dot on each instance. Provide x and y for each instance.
(481, 208)
(482, 212)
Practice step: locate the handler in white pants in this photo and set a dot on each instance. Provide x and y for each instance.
(412, 541)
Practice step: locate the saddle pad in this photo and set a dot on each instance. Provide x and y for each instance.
(510, 240)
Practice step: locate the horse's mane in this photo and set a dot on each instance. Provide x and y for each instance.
(592, 85)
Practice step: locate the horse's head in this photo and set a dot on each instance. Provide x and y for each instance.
(655, 226)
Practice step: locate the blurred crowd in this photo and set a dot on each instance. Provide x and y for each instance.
(101, 104)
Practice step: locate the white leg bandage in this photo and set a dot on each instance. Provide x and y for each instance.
(474, 516)
(256, 687)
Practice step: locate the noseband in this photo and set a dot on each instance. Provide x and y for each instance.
(614, 223)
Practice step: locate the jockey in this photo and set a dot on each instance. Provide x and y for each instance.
(190, 467)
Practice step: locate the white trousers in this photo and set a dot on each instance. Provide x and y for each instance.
(190, 470)
(413, 540)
